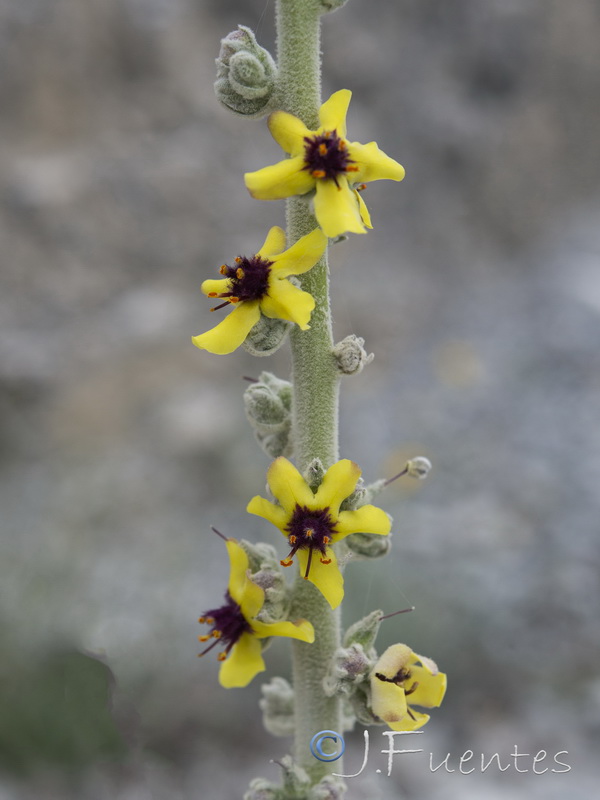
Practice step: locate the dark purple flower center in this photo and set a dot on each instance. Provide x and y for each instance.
(326, 156)
(310, 530)
(248, 280)
(227, 624)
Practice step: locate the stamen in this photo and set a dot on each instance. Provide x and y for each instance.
(309, 532)
(286, 562)
(318, 173)
(216, 634)
(351, 168)
(325, 560)
(412, 689)
(342, 145)
(310, 552)
(212, 294)
(226, 303)
(223, 656)
(203, 638)
(210, 620)
(326, 540)
(410, 714)
(239, 273)
(202, 620)
(238, 259)
(323, 149)
(361, 187)
(234, 299)
(292, 539)
(223, 269)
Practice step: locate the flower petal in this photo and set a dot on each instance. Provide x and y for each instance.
(288, 485)
(285, 179)
(238, 566)
(300, 257)
(231, 332)
(363, 210)
(326, 577)
(366, 519)
(215, 286)
(332, 113)
(300, 629)
(336, 209)
(274, 243)
(338, 483)
(373, 164)
(286, 301)
(269, 511)
(388, 701)
(243, 663)
(288, 131)
(410, 723)
(430, 690)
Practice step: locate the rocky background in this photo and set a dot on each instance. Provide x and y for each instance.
(120, 443)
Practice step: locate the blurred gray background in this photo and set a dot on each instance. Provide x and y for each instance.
(120, 443)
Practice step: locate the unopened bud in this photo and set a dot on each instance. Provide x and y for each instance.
(314, 474)
(364, 632)
(246, 74)
(349, 666)
(351, 355)
(277, 705)
(328, 788)
(331, 5)
(369, 545)
(267, 402)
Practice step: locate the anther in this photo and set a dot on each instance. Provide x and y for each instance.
(238, 260)
(223, 269)
(412, 688)
(221, 656)
(318, 173)
(361, 187)
(216, 634)
(326, 540)
(210, 621)
(309, 533)
(234, 299)
(323, 149)
(212, 294)
(325, 560)
(286, 562)
(203, 638)
(352, 168)
(292, 539)
(239, 273)
(342, 145)
(202, 620)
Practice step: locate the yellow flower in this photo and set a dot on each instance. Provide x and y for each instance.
(325, 163)
(312, 522)
(235, 625)
(398, 675)
(259, 284)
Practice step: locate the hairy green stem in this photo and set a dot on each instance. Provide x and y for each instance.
(315, 381)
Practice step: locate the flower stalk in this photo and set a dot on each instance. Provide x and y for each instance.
(315, 379)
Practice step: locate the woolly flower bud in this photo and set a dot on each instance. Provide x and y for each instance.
(260, 789)
(266, 336)
(349, 667)
(328, 788)
(268, 403)
(351, 355)
(368, 545)
(314, 474)
(277, 705)
(246, 74)
(266, 572)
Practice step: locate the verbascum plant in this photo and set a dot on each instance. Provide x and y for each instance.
(319, 503)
